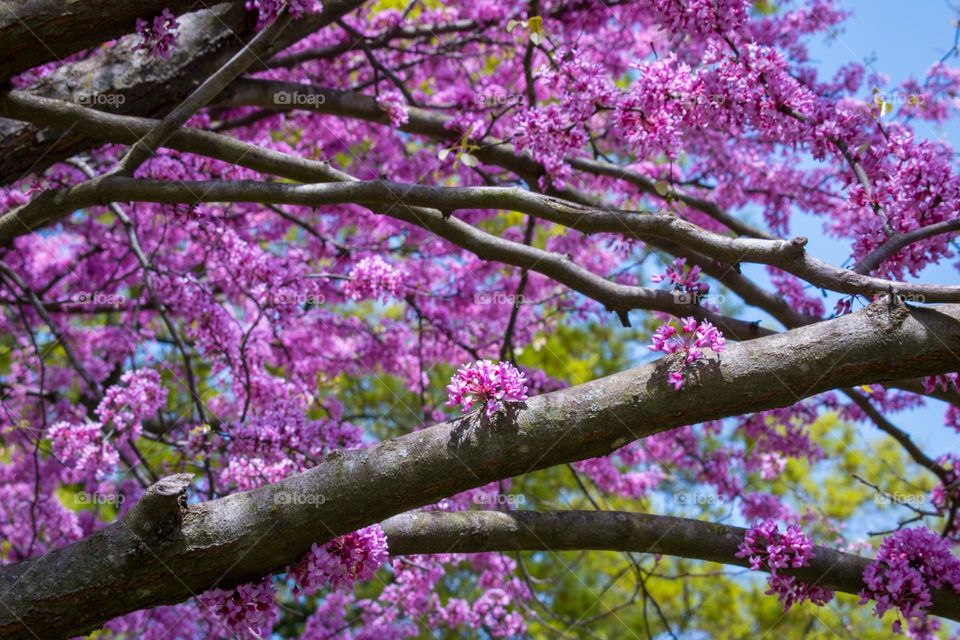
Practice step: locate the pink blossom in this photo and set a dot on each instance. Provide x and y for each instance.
(247, 611)
(124, 406)
(488, 384)
(374, 277)
(493, 614)
(683, 280)
(159, 36)
(393, 102)
(83, 450)
(342, 561)
(909, 565)
(691, 339)
(268, 10)
(771, 550)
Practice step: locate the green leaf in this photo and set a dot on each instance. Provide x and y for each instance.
(764, 7)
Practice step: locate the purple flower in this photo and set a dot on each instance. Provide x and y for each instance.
(486, 383)
(767, 548)
(692, 339)
(159, 36)
(910, 564)
(82, 449)
(393, 103)
(268, 10)
(374, 277)
(247, 611)
(342, 561)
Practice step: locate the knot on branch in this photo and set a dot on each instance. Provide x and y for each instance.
(796, 245)
(888, 309)
(160, 510)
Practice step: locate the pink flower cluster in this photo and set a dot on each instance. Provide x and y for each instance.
(702, 17)
(82, 450)
(769, 549)
(374, 277)
(246, 611)
(692, 339)
(393, 103)
(342, 561)
(945, 383)
(140, 394)
(159, 36)
(683, 280)
(488, 384)
(270, 9)
(492, 612)
(909, 565)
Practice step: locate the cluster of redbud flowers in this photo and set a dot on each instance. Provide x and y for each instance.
(488, 384)
(771, 550)
(691, 339)
(910, 564)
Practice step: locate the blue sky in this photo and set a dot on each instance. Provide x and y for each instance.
(900, 39)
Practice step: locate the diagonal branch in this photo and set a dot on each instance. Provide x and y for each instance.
(787, 255)
(426, 532)
(228, 541)
(901, 240)
(38, 31)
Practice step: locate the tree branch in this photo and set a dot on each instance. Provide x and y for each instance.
(33, 32)
(140, 84)
(430, 532)
(243, 536)
(787, 255)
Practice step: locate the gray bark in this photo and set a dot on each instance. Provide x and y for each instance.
(477, 531)
(34, 32)
(138, 84)
(246, 535)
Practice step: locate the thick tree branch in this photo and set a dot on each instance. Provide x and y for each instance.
(141, 151)
(139, 84)
(117, 128)
(33, 32)
(126, 129)
(895, 243)
(789, 256)
(246, 535)
(424, 122)
(426, 532)
(126, 82)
